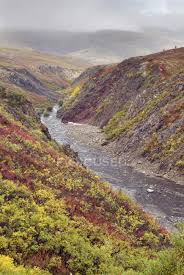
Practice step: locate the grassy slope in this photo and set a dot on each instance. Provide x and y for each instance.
(56, 215)
(139, 104)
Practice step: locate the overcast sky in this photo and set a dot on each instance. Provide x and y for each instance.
(91, 14)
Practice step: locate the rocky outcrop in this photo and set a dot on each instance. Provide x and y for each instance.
(62, 72)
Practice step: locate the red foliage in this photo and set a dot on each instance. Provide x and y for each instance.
(14, 130)
(9, 175)
(171, 117)
(42, 259)
(75, 208)
(29, 159)
(24, 135)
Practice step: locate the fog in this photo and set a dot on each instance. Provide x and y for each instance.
(90, 15)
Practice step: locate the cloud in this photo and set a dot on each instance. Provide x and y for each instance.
(91, 14)
(157, 7)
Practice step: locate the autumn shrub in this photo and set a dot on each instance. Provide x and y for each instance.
(46, 114)
(49, 109)
(60, 103)
(8, 267)
(16, 100)
(170, 261)
(180, 163)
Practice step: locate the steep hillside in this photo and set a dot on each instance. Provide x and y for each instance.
(139, 104)
(56, 215)
(37, 73)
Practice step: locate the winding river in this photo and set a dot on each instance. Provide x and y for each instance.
(162, 198)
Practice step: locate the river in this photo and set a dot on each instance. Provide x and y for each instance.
(162, 198)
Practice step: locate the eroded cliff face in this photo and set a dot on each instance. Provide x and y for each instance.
(139, 104)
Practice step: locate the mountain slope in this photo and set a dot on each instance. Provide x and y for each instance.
(36, 73)
(139, 104)
(55, 214)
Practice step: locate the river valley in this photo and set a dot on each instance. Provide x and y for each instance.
(162, 198)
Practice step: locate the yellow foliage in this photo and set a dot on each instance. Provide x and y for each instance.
(75, 91)
(7, 267)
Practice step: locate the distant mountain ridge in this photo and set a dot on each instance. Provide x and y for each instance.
(102, 46)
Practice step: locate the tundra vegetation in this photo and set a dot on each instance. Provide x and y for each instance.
(56, 217)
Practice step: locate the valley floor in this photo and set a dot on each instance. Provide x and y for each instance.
(161, 197)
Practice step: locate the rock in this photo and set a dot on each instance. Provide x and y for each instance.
(105, 143)
(46, 132)
(150, 190)
(158, 176)
(71, 153)
(180, 87)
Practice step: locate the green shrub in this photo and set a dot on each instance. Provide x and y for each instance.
(46, 114)
(16, 100)
(60, 103)
(49, 109)
(40, 111)
(115, 121)
(170, 261)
